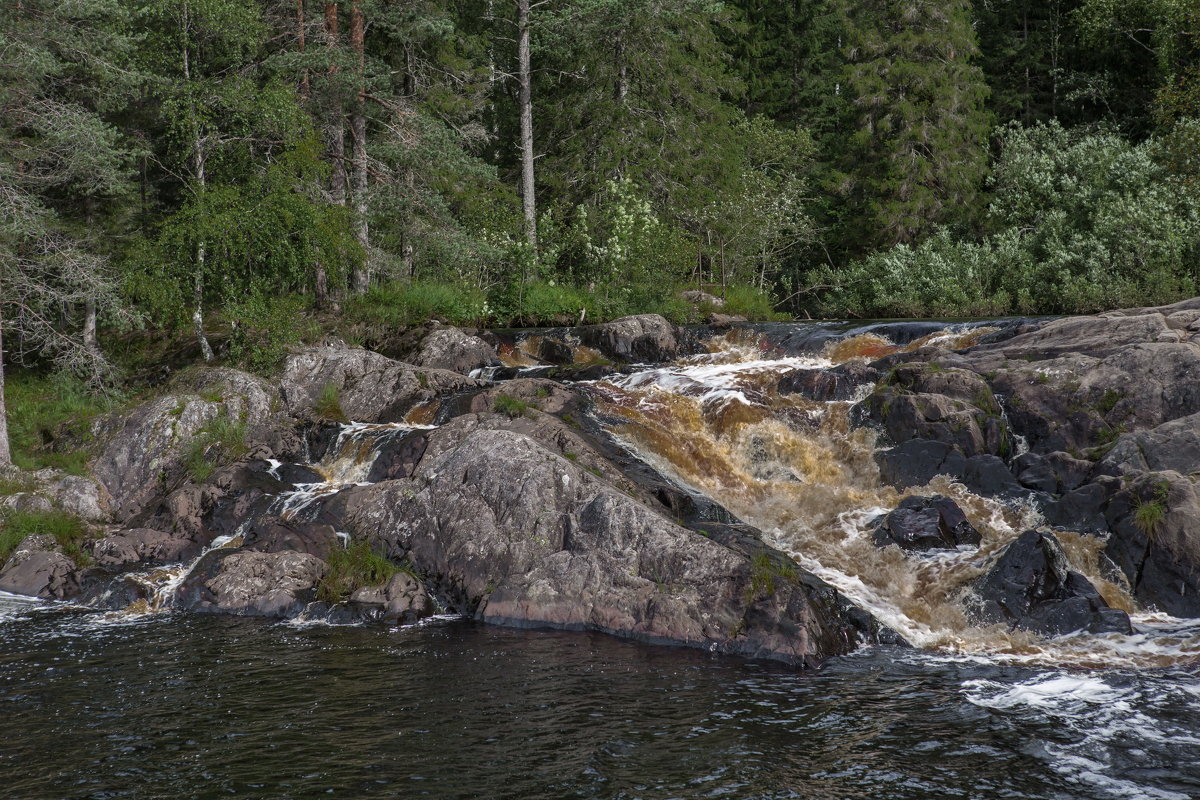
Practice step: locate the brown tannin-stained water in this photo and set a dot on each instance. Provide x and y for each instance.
(798, 471)
(155, 704)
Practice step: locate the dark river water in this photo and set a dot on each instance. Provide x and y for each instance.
(176, 706)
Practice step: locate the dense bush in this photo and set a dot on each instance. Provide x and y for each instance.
(1081, 222)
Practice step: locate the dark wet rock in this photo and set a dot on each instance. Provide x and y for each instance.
(398, 458)
(233, 495)
(990, 476)
(1035, 472)
(917, 461)
(276, 535)
(144, 546)
(249, 583)
(370, 387)
(403, 599)
(946, 405)
(1173, 446)
(555, 351)
(107, 591)
(925, 523)
(842, 382)
(1081, 509)
(645, 338)
(37, 569)
(1155, 541)
(518, 535)
(296, 474)
(1033, 587)
(452, 349)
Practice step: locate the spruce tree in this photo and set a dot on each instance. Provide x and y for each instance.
(914, 150)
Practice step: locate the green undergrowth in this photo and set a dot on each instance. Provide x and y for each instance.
(511, 406)
(67, 529)
(50, 419)
(351, 569)
(1149, 513)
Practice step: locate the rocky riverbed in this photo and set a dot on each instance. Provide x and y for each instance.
(786, 491)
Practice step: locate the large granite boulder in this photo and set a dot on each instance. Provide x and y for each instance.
(643, 338)
(38, 569)
(144, 450)
(145, 547)
(516, 534)
(251, 583)
(1033, 587)
(368, 387)
(452, 349)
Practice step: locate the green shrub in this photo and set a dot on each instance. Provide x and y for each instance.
(67, 529)
(351, 569)
(219, 442)
(751, 303)
(264, 327)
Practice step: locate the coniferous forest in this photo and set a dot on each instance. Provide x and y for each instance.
(265, 170)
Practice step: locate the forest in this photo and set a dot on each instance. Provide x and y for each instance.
(245, 174)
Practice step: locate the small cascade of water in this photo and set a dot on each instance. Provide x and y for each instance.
(800, 472)
(347, 462)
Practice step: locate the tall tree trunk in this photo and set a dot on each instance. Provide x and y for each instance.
(336, 132)
(201, 253)
(361, 278)
(300, 24)
(525, 100)
(5, 452)
(89, 305)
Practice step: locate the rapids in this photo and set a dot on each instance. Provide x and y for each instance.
(797, 470)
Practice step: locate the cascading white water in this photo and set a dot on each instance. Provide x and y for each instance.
(798, 470)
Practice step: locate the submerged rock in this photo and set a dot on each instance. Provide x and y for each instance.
(925, 523)
(1032, 587)
(842, 382)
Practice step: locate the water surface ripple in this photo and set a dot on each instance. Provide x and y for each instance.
(178, 706)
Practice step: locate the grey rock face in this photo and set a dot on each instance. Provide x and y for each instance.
(521, 536)
(145, 448)
(451, 349)
(370, 387)
(1033, 587)
(36, 569)
(642, 338)
(1155, 541)
(144, 546)
(401, 599)
(249, 583)
(1173, 446)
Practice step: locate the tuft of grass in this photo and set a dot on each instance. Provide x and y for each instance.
(220, 441)
(1109, 401)
(1149, 514)
(766, 573)
(329, 404)
(15, 484)
(512, 406)
(351, 569)
(67, 529)
(399, 304)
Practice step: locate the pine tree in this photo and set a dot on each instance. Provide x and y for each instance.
(914, 153)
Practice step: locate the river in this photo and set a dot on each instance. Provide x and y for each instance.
(155, 703)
